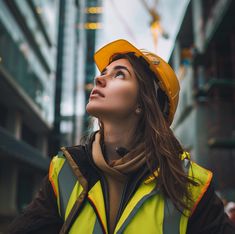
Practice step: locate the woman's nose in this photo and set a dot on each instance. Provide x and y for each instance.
(100, 81)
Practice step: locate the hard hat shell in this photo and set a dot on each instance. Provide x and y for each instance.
(166, 78)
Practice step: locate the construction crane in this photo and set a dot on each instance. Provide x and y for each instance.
(155, 23)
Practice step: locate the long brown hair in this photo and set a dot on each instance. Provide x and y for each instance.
(161, 148)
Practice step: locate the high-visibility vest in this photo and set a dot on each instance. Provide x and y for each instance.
(148, 211)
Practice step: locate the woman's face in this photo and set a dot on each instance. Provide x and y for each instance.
(115, 92)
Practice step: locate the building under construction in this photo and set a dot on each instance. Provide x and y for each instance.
(204, 59)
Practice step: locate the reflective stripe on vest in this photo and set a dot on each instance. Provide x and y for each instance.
(97, 228)
(172, 217)
(146, 212)
(55, 166)
(66, 182)
(134, 211)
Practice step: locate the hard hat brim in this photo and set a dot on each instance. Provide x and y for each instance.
(121, 46)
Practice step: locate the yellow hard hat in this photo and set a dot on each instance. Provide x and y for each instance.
(167, 79)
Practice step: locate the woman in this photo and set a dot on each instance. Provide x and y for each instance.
(132, 176)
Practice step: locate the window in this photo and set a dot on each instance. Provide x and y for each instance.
(28, 136)
(24, 189)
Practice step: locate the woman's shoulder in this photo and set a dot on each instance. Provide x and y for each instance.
(76, 158)
(198, 173)
(209, 216)
(74, 152)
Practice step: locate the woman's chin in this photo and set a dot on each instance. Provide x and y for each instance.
(93, 110)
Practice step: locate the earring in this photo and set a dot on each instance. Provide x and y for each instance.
(138, 110)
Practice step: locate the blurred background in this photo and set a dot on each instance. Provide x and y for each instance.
(47, 72)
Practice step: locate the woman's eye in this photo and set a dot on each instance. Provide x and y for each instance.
(102, 74)
(120, 75)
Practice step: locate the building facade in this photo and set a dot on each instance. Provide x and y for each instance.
(69, 78)
(93, 13)
(75, 69)
(203, 57)
(46, 74)
(27, 75)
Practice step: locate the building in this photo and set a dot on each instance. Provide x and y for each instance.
(70, 75)
(27, 76)
(46, 73)
(203, 57)
(75, 69)
(93, 10)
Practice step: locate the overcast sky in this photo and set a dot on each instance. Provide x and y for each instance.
(128, 19)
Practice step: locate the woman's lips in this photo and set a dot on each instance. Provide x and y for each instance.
(96, 93)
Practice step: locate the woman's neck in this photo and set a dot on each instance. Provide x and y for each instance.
(116, 136)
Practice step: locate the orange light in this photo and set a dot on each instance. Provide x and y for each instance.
(93, 25)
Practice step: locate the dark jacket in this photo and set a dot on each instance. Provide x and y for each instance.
(41, 216)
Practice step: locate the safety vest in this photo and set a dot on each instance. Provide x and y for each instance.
(148, 211)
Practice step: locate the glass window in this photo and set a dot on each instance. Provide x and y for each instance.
(15, 62)
(24, 189)
(22, 64)
(28, 135)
